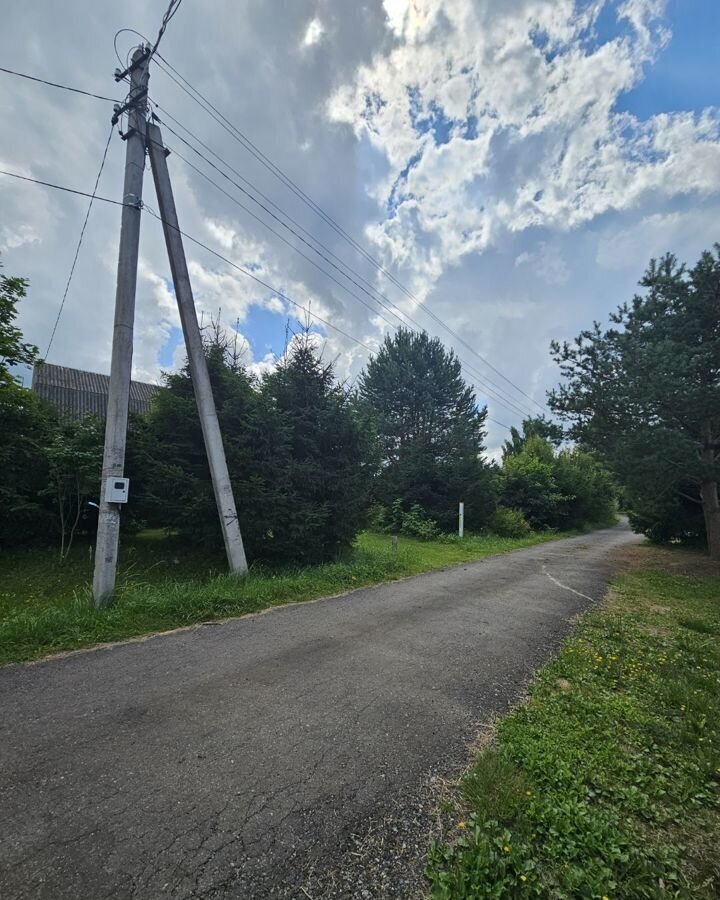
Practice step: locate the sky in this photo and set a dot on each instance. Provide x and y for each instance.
(503, 170)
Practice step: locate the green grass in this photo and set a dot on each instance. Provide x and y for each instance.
(45, 607)
(606, 784)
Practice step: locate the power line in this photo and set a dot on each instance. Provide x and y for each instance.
(507, 403)
(490, 388)
(79, 243)
(56, 84)
(274, 290)
(220, 256)
(260, 281)
(173, 7)
(277, 233)
(248, 145)
(59, 187)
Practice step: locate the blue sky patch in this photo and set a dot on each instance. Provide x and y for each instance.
(686, 75)
(167, 351)
(266, 330)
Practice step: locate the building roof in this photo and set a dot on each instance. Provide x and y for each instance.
(77, 393)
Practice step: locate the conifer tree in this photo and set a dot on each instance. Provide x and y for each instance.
(430, 430)
(645, 394)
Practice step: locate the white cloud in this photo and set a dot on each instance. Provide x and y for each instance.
(313, 33)
(683, 232)
(547, 262)
(12, 238)
(494, 121)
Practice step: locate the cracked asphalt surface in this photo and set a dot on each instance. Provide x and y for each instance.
(244, 759)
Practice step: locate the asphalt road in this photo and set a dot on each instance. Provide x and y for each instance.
(230, 760)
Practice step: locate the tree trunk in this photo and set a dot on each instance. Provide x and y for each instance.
(61, 507)
(709, 494)
(711, 509)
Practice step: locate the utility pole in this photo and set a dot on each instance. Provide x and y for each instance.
(106, 551)
(196, 356)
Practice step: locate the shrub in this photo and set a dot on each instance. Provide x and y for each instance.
(509, 523)
(417, 523)
(414, 522)
(377, 517)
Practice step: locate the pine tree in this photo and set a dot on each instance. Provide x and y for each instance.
(645, 394)
(168, 464)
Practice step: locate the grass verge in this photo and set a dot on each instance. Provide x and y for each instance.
(45, 607)
(606, 783)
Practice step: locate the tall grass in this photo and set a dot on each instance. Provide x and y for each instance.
(45, 606)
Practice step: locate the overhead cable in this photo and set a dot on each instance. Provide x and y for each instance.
(245, 142)
(67, 190)
(492, 388)
(79, 243)
(215, 253)
(56, 84)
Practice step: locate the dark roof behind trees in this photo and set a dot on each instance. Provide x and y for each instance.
(77, 393)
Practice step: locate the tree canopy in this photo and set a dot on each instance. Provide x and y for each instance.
(645, 393)
(13, 350)
(430, 430)
(299, 457)
(563, 489)
(306, 456)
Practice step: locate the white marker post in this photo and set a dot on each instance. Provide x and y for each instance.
(461, 519)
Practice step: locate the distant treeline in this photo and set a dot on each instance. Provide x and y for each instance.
(312, 461)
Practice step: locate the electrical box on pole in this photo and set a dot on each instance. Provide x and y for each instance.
(116, 490)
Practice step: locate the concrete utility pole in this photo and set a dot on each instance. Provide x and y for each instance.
(106, 551)
(196, 356)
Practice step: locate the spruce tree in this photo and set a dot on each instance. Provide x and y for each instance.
(331, 456)
(430, 430)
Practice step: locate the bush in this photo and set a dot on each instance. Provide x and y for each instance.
(509, 523)
(377, 517)
(414, 522)
(417, 523)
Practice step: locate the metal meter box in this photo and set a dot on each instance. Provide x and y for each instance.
(116, 490)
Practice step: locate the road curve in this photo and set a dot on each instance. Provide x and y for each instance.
(228, 760)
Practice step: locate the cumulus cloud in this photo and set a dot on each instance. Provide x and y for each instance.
(496, 120)
(481, 151)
